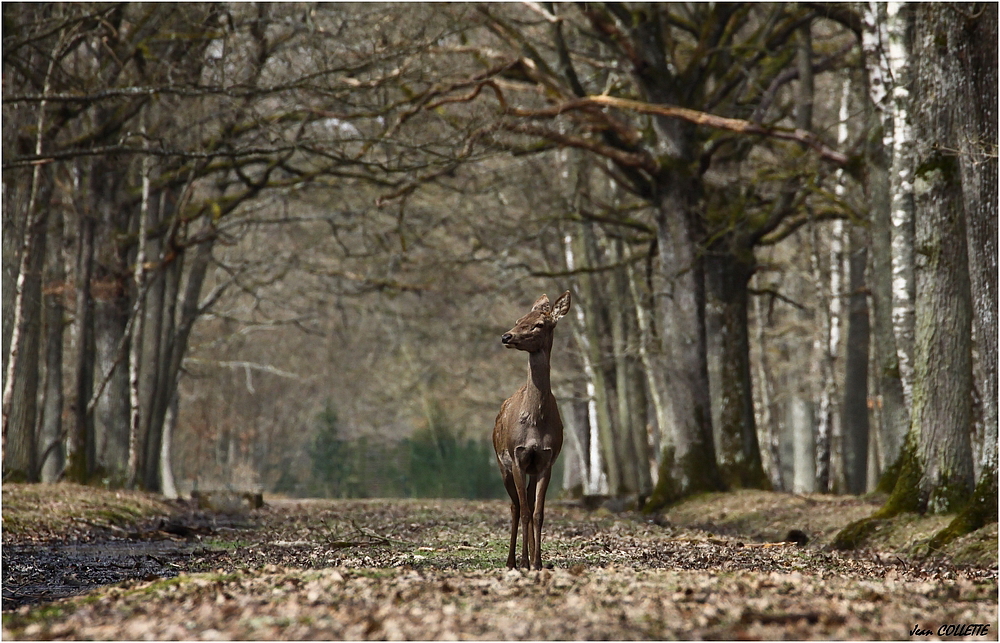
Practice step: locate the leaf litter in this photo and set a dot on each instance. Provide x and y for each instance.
(433, 569)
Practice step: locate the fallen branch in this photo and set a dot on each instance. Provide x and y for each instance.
(377, 536)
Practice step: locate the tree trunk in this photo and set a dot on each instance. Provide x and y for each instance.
(137, 339)
(111, 414)
(827, 346)
(595, 326)
(603, 442)
(574, 453)
(688, 464)
(978, 135)
(936, 468)
(20, 455)
(624, 425)
(727, 280)
(83, 364)
(770, 428)
(152, 338)
(890, 403)
(938, 473)
(190, 308)
(52, 453)
(800, 417)
(630, 409)
(23, 300)
(901, 188)
(162, 343)
(14, 204)
(655, 384)
(636, 390)
(111, 316)
(977, 131)
(825, 349)
(854, 414)
(169, 489)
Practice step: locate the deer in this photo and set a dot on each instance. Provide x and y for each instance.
(528, 433)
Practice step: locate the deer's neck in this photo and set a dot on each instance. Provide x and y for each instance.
(538, 376)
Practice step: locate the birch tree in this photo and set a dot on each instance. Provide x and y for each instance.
(936, 471)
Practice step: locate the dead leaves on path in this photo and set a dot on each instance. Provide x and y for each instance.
(431, 570)
(602, 603)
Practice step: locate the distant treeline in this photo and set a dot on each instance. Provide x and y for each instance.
(434, 463)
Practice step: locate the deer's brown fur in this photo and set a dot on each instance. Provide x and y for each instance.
(528, 433)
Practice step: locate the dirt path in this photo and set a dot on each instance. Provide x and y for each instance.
(432, 570)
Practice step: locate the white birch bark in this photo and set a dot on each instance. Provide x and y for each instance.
(896, 67)
(136, 344)
(595, 481)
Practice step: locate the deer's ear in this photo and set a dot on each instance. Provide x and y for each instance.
(561, 307)
(542, 304)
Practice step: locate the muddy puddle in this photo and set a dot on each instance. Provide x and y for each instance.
(41, 573)
(45, 571)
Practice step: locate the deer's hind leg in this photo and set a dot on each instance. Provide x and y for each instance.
(515, 516)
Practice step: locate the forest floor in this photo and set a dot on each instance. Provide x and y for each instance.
(80, 563)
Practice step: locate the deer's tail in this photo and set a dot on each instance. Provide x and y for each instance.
(532, 458)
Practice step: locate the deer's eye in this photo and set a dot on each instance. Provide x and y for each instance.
(537, 325)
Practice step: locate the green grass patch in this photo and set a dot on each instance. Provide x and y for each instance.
(43, 614)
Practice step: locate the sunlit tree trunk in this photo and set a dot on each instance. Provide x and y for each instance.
(169, 360)
(896, 64)
(168, 487)
(802, 422)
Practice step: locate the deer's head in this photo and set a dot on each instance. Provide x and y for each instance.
(533, 332)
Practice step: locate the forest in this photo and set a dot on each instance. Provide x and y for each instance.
(274, 246)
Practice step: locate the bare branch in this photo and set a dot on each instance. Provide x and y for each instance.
(720, 122)
(639, 160)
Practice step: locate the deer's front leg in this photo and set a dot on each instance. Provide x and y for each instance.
(527, 527)
(539, 516)
(515, 516)
(530, 543)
